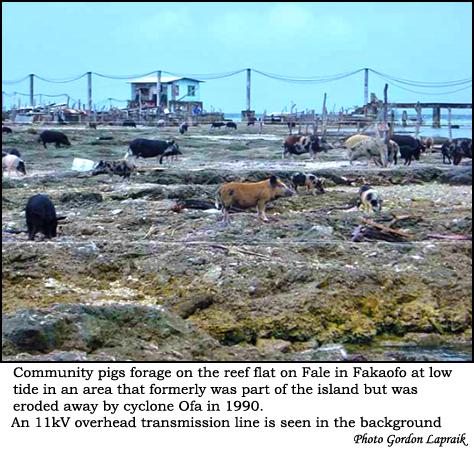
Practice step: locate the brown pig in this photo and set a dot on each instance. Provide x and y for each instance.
(248, 195)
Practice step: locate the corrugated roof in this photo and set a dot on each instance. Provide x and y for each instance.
(163, 80)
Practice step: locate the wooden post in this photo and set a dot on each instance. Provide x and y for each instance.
(89, 92)
(139, 104)
(158, 90)
(366, 91)
(325, 116)
(419, 119)
(32, 90)
(437, 117)
(249, 87)
(386, 130)
(450, 124)
(404, 118)
(392, 124)
(67, 102)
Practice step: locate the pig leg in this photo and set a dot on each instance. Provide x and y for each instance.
(261, 211)
(226, 215)
(32, 233)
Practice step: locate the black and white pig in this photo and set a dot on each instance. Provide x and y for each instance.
(369, 200)
(12, 163)
(310, 181)
(183, 128)
(149, 148)
(123, 168)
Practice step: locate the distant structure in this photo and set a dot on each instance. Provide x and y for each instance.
(177, 94)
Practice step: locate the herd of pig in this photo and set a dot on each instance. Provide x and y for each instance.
(41, 215)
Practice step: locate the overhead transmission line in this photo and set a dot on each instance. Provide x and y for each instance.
(397, 84)
(308, 80)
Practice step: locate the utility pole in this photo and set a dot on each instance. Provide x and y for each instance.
(386, 129)
(32, 90)
(325, 116)
(89, 92)
(366, 90)
(158, 90)
(450, 124)
(249, 85)
(419, 119)
(139, 104)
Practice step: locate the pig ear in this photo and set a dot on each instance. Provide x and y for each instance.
(61, 218)
(273, 181)
(172, 142)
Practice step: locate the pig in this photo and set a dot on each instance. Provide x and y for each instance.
(150, 148)
(50, 136)
(6, 130)
(32, 131)
(408, 153)
(251, 121)
(93, 125)
(456, 150)
(231, 125)
(217, 125)
(161, 123)
(301, 144)
(310, 181)
(183, 128)
(13, 163)
(369, 200)
(428, 143)
(15, 152)
(173, 153)
(41, 217)
(355, 139)
(129, 123)
(123, 168)
(248, 195)
(446, 151)
(370, 148)
(461, 148)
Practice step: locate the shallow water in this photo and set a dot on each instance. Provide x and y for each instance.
(430, 353)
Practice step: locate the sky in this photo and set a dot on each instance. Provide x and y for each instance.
(425, 42)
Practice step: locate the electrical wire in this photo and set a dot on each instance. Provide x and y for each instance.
(61, 80)
(424, 92)
(443, 84)
(14, 82)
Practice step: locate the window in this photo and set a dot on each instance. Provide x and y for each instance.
(192, 91)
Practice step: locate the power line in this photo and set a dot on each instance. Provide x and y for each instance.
(278, 77)
(14, 82)
(424, 92)
(314, 80)
(124, 77)
(61, 80)
(442, 84)
(214, 76)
